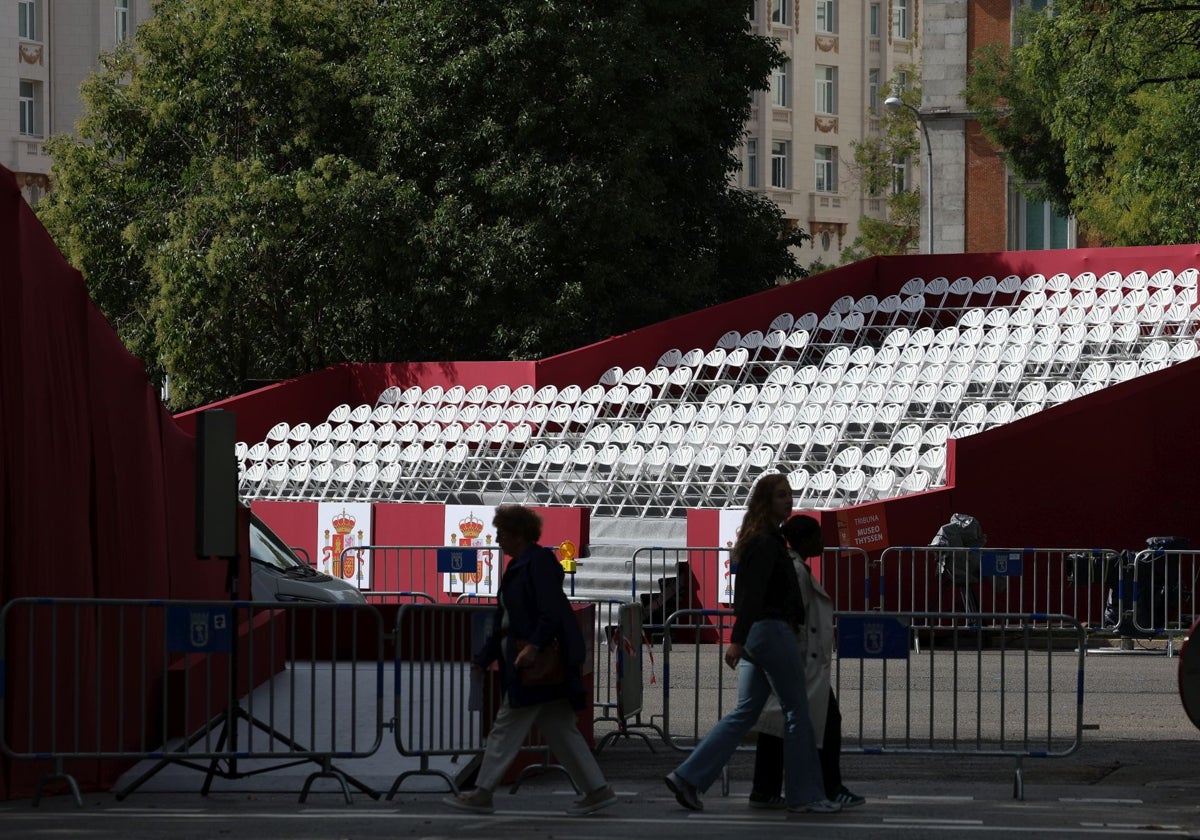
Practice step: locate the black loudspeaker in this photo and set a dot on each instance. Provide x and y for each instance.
(216, 484)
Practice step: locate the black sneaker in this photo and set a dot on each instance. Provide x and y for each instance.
(847, 799)
(685, 792)
(767, 802)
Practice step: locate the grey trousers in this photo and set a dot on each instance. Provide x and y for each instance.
(556, 722)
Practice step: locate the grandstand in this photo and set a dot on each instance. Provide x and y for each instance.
(858, 397)
(855, 404)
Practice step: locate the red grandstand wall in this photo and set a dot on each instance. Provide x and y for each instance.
(308, 399)
(96, 479)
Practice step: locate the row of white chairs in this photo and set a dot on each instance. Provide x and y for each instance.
(435, 453)
(415, 403)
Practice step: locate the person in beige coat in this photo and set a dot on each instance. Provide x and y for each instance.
(815, 644)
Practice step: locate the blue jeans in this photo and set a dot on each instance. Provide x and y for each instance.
(770, 661)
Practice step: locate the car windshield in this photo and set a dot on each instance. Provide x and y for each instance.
(268, 549)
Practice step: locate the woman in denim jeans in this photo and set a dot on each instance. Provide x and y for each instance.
(763, 648)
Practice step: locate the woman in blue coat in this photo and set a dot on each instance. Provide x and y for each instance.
(537, 642)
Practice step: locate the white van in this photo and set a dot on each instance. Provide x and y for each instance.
(277, 574)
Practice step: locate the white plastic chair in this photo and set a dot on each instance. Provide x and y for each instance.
(915, 482)
(881, 484)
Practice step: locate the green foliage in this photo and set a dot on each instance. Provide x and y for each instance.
(1096, 109)
(874, 159)
(260, 188)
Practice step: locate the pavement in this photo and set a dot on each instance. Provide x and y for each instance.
(1135, 774)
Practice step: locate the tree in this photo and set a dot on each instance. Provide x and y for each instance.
(220, 198)
(573, 161)
(260, 188)
(875, 161)
(1096, 108)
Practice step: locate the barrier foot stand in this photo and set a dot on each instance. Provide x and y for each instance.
(537, 768)
(625, 733)
(426, 770)
(1019, 782)
(58, 776)
(327, 771)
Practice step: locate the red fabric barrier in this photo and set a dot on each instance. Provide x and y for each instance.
(96, 480)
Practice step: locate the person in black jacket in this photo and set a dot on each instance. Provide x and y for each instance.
(763, 648)
(539, 647)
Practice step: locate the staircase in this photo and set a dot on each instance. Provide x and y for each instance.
(604, 574)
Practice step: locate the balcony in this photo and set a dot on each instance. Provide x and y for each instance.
(828, 207)
(28, 155)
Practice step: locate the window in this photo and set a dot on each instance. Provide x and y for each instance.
(873, 21)
(780, 153)
(27, 20)
(27, 104)
(1040, 227)
(752, 162)
(753, 16)
(826, 90)
(900, 21)
(121, 20)
(901, 84)
(781, 12)
(826, 169)
(780, 93)
(899, 176)
(873, 90)
(827, 16)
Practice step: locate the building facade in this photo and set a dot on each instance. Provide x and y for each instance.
(976, 204)
(842, 54)
(56, 45)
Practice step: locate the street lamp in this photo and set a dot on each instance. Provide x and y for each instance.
(894, 103)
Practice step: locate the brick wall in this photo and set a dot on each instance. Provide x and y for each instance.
(986, 194)
(988, 22)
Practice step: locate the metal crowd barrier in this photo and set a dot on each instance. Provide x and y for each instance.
(667, 580)
(440, 705)
(957, 583)
(399, 574)
(619, 695)
(694, 669)
(79, 676)
(1008, 685)
(1163, 599)
(692, 580)
(443, 707)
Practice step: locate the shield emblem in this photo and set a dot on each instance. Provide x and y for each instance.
(199, 629)
(873, 638)
(1001, 565)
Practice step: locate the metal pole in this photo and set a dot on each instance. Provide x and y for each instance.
(928, 175)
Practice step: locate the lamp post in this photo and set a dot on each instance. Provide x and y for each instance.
(894, 103)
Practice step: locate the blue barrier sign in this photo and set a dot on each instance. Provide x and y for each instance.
(1000, 563)
(452, 561)
(199, 629)
(872, 638)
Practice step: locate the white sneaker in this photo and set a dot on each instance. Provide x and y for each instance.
(819, 806)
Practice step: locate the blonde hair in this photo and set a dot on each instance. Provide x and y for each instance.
(759, 517)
